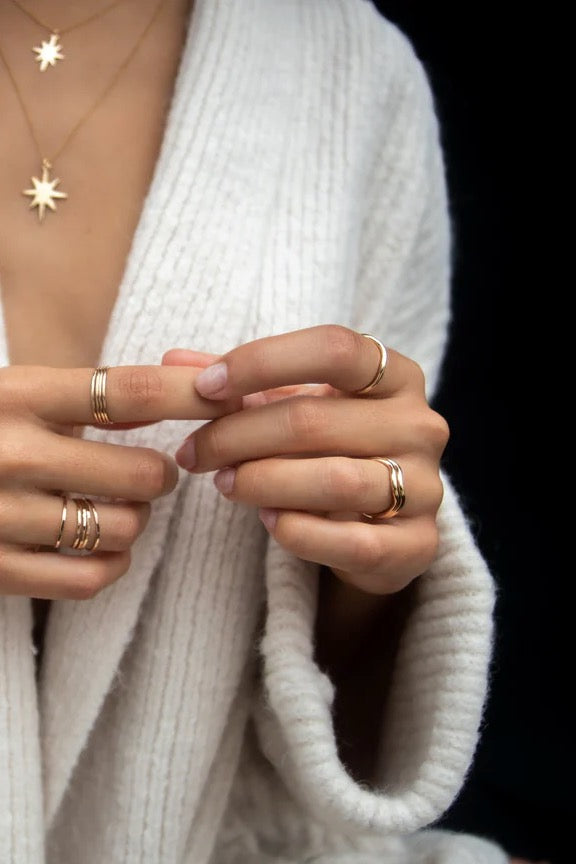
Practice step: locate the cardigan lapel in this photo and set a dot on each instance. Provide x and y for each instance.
(230, 120)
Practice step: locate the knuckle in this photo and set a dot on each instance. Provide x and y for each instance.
(368, 552)
(90, 582)
(429, 430)
(153, 474)
(439, 430)
(97, 574)
(212, 441)
(346, 481)
(428, 542)
(142, 387)
(437, 493)
(5, 563)
(125, 528)
(9, 462)
(10, 388)
(18, 458)
(290, 536)
(342, 345)
(7, 512)
(416, 374)
(304, 417)
(250, 481)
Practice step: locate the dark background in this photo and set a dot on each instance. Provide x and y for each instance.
(480, 62)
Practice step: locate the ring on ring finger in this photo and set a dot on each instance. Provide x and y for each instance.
(33, 519)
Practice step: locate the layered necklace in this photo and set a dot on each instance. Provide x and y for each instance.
(44, 191)
(48, 53)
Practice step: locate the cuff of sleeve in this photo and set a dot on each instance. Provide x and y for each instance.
(431, 725)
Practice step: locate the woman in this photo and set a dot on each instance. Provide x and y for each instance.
(222, 180)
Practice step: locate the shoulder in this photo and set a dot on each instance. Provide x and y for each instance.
(362, 38)
(361, 56)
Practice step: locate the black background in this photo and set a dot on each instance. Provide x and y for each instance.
(480, 62)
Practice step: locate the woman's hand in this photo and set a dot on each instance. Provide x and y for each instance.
(305, 454)
(39, 410)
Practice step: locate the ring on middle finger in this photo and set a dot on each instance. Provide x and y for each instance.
(396, 488)
(378, 375)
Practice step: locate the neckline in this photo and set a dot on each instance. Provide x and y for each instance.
(198, 19)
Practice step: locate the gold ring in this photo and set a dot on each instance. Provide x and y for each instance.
(381, 366)
(81, 524)
(62, 522)
(86, 516)
(98, 395)
(96, 541)
(397, 487)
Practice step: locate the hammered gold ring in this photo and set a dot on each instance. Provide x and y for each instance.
(98, 395)
(381, 366)
(396, 487)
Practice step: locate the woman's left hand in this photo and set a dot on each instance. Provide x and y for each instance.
(305, 454)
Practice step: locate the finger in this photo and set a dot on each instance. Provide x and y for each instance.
(331, 484)
(336, 427)
(264, 397)
(33, 519)
(328, 354)
(134, 394)
(185, 357)
(47, 462)
(379, 559)
(53, 577)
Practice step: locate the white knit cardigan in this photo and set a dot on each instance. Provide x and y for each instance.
(180, 717)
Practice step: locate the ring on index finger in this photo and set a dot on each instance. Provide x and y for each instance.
(381, 366)
(98, 395)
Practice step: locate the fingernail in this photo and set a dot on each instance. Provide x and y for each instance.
(212, 379)
(224, 480)
(186, 455)
(269, 517)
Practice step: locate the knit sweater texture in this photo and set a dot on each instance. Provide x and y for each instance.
(179, 717)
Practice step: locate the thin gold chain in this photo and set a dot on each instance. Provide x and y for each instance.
(62, 31)
(83, 119)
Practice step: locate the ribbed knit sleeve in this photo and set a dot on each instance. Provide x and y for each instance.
(21, 816)
(439, 682)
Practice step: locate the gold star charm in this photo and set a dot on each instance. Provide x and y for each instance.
(44, 191)
(49, 53)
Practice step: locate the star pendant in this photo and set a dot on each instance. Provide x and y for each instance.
(44, 191)
(48, 53)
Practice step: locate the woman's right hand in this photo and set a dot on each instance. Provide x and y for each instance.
(40, 459)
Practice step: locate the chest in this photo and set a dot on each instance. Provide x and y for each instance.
(60, 276)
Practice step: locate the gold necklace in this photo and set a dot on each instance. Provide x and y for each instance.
(44, 191)
(48, 53)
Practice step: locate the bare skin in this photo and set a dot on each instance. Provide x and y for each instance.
(58, 301)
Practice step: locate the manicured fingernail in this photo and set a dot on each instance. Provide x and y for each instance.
(269, 517)
(224, 480)
(212, 379)
(186, 455)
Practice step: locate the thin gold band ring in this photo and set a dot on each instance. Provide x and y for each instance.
(98, 395)
(62, 522)
(87, 535)
(381, 366)
(397, 489)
